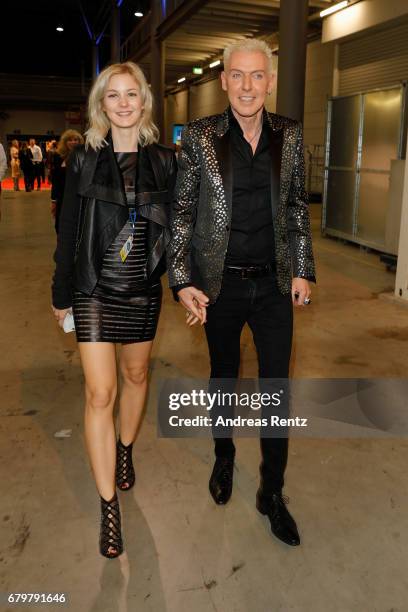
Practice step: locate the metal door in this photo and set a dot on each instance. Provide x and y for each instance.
(364, 132)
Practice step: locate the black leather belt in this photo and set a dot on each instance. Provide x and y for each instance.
(250, 271)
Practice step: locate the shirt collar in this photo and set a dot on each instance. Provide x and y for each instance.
(233, 123)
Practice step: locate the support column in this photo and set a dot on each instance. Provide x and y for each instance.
(115, 33)
(292, 58)
(401, 281)
(157, 66)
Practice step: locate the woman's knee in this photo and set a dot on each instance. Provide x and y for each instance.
(136, 374)
(101, 398)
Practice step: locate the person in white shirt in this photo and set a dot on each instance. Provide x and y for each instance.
(37, 161)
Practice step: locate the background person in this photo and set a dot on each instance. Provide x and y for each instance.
(51, 149)
(37, 162)
(68, 141)
(15, 164)
(3, 164)
(43, 162)
(3, 168)
(26, 164)
(110, 256)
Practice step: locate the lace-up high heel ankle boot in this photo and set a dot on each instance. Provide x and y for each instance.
(125, 473)
(110, 540)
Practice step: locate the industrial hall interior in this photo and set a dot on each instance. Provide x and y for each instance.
(193, 190)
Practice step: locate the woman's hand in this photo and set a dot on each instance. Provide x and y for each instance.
(60, 314)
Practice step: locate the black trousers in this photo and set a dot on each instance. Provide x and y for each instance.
(28, 181)
(36, 176)
(269, 315)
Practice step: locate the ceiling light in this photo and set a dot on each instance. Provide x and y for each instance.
(181, 80)
(138, 14)
(214, 64)
(197, 70)
(60, 29)
(334, 8)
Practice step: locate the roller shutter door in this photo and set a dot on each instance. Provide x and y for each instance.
(375, 60)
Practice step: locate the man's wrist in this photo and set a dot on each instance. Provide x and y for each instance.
(178, 288)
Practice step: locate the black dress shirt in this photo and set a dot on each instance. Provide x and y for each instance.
(251, 239)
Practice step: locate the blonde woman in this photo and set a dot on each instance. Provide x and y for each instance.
(15, 163)
(110, 256)
(68, 141)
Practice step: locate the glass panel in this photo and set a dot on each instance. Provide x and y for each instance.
(340, 200)
(382, 110)
(372, 207)
(344, 131)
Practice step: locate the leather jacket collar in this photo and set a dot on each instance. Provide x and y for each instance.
(101, 177)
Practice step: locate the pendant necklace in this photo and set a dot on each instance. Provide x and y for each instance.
(254, 136)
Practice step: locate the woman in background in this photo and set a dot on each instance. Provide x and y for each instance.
(51, 149)
(68, 141)
(3, 164)
(15, 164)
(113, 233)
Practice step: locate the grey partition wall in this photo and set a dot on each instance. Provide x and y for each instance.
(364, 133)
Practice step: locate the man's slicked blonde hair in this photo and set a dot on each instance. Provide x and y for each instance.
(99, 123)
(253, 45)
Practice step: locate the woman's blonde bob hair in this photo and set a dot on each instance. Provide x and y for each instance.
(99, 123)
(62, 148)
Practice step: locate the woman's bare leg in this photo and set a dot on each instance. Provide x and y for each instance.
(99, 366)
(134, 365)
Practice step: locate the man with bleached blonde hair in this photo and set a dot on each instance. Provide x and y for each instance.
(241, 250)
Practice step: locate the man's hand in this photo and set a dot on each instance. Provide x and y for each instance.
(300, 291)
(60, 314)
(195, 302)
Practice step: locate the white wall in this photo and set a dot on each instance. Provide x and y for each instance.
(207, 99)
(360, 16)
(319, 84)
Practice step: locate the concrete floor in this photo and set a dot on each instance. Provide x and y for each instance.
(184, 554)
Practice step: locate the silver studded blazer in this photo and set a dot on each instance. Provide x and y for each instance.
(201, 214)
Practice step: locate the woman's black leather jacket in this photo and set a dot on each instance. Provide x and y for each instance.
(94, 211)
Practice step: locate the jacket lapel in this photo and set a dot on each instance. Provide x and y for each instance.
(100, 177)
(157, 167)
(275, 146)
(285, 144)
(224, 157)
